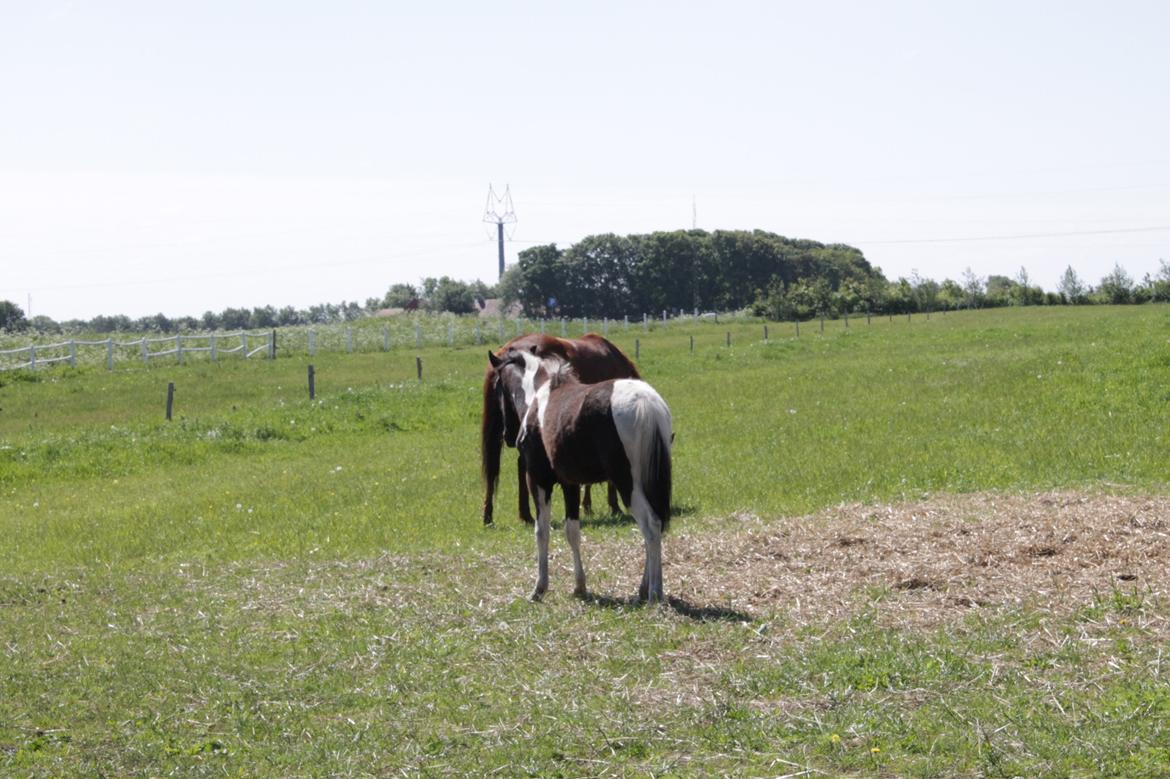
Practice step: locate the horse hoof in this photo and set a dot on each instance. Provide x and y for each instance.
(580, 592)
(537, 596)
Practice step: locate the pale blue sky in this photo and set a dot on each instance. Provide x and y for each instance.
(180, 157)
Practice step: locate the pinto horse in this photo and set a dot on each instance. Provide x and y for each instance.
(573, 434)
(593, 358)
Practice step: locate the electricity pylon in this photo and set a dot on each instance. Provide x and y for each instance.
(492, 213)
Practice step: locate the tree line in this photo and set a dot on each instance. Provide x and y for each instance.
(613, 276)
(432, 294)
(772, 276)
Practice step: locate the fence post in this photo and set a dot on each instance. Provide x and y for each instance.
(214, 354)
(418, 334)
(765, 334)
(564, 332)
(627, 320)
(867, 321)
(244, 342)
(170, 398)
(110, 354)
(272, 345)
(72, 354)
(645, 322)
(32, 357)
(386, 336)
(145, 354)
(542, 323)
(418, 367)
(179, 347)
(312, 383)
(729, 338)
(692, 344)
(584, 325)
(664, 316)
(605, 327)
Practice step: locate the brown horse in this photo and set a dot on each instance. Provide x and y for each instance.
(574, 434)
(593, 359)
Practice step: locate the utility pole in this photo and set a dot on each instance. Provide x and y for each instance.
(499, 211)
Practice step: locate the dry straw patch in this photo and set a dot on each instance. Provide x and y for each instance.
(925, 564)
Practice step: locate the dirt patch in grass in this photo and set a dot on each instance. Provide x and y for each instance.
(927, 563)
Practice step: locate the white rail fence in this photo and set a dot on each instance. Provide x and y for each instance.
(423, 331)
(146, 349)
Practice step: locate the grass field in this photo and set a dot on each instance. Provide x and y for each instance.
(903, 548)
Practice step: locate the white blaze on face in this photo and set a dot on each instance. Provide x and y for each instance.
(534, 399)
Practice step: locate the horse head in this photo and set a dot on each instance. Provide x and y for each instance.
(508, 394)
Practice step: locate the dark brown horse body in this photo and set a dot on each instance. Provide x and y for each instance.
(593, 359)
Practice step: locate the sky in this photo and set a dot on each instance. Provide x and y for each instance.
(176, 158)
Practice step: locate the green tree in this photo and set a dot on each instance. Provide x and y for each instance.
(1071, 288)
(447, 294)
(400, 296)
(11, 316)
(1116, 287)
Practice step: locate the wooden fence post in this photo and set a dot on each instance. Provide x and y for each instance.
(312, 382)
(110, 354)
(692, 344)
(418, 367)
(729, 338)
(272, 346)
(765, 334)
(145, 354)
(72, 354)
(179, 347)
(170, 398)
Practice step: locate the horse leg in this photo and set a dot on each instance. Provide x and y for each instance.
(588, 503)
(614, 507)
(573, 534)
(543, 510)
(651, 589)
(525, 511)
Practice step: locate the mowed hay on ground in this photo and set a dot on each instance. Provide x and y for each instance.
(920, 564)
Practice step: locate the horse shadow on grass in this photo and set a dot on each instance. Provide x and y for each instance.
(680, 606)
(608, 519)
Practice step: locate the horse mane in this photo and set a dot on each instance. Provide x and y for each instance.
(560, 371)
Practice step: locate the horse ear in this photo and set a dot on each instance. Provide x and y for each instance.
(495, 361)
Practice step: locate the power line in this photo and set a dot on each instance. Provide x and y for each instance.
(1019, 236)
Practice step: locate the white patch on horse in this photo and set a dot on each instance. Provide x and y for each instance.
(528, 384)
(631, 402)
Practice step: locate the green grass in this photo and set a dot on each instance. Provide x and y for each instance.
(272, 586)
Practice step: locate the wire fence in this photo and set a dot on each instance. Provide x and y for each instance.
(363, 336)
